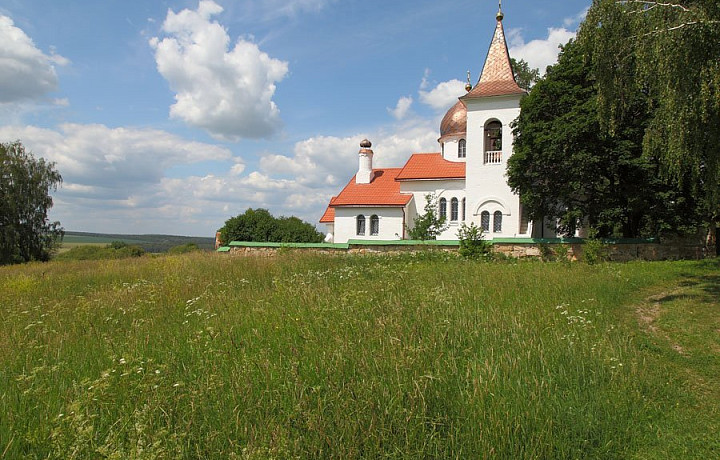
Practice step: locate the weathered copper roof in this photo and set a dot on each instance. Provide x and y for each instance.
(384, 190)
(497, 77)
(431, 166)
(454, 121)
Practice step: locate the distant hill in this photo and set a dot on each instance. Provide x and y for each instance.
(150, 243)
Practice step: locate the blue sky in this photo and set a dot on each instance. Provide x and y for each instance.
(172, 116)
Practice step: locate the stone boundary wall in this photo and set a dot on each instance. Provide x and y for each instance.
(678, 249)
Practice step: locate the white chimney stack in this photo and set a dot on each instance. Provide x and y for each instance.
(365, 169)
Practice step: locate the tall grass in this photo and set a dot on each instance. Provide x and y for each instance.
(305, 356)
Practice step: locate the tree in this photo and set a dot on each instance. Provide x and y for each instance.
(669, 51)
(524, 75)
(259, 225)
(25, 183)
(567, 166)
(430, 224)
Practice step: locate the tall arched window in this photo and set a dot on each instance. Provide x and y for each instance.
(485, 221)
(462, 148)
(454, 209)
(463, 210)
(360, 224)
(497, 221)
(374, 224)
(493, 142)
(443, 208)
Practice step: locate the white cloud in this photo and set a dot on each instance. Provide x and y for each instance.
(227, 92)
(401, 108)
(25, 72)
(443, 96)
(539, 53)
(111, 163)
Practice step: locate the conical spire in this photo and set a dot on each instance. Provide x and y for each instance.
(497, 77)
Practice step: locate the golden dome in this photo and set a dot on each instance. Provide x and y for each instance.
(454, 121)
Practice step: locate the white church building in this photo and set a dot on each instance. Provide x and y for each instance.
(467, 178)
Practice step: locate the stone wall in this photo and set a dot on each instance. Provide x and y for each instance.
(669, 249)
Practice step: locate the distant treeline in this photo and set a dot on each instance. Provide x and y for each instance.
(150, 243)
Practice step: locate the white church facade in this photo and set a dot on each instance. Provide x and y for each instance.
(467, 178)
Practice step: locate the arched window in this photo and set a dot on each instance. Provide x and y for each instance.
(493, 142)
(463, 210)
(485, 221)
(374, 224)
(360, 224)
(442, 149)
(454, 209)
(443, 208)
(462, 148)
(497, 221)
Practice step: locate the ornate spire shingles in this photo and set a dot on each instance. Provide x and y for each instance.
(497, 76)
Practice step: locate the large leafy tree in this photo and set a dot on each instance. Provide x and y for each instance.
(25, 183)
(670, 51)
(260, 226)
(525, 76)
(566, 166)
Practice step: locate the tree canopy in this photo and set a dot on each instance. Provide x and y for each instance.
(260, 226)
(670, 52)
(568, 166)
(26, 234)
(525, 76)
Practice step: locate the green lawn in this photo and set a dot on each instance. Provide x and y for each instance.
(305, 356)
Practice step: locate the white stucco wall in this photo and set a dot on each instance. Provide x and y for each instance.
(447, 189)
(449, 147)
(391, 223)
(487, 188)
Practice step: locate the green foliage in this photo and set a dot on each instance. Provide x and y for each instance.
(525, 76)
(25, 182)
(430, 224)
(204, 356)
(472, 244)
(594, 249)
(568, 167)
(669, 52)
(260, 226)
(114, 250)
(183, 248)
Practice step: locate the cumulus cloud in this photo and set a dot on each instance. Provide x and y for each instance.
(443, 96)
(539, 53)
(401, 108)
(328, 162)
(26, 72)
(111, 163)
(227, 92)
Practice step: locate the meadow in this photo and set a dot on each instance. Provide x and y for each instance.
(209, 355)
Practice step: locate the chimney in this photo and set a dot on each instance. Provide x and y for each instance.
(365, 170)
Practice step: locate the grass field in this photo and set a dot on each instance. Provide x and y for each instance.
(306, 356)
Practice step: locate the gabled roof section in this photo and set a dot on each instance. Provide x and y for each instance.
(329, 216)
(431, 166)
(384, 190)
(497, 77)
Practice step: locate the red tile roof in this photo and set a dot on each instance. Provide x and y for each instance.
(497, 77)
(384, 190)
(424, 166)
(329, 216)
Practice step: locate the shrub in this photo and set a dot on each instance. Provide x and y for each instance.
(472, 244)
(183, 248)
(594, 249)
